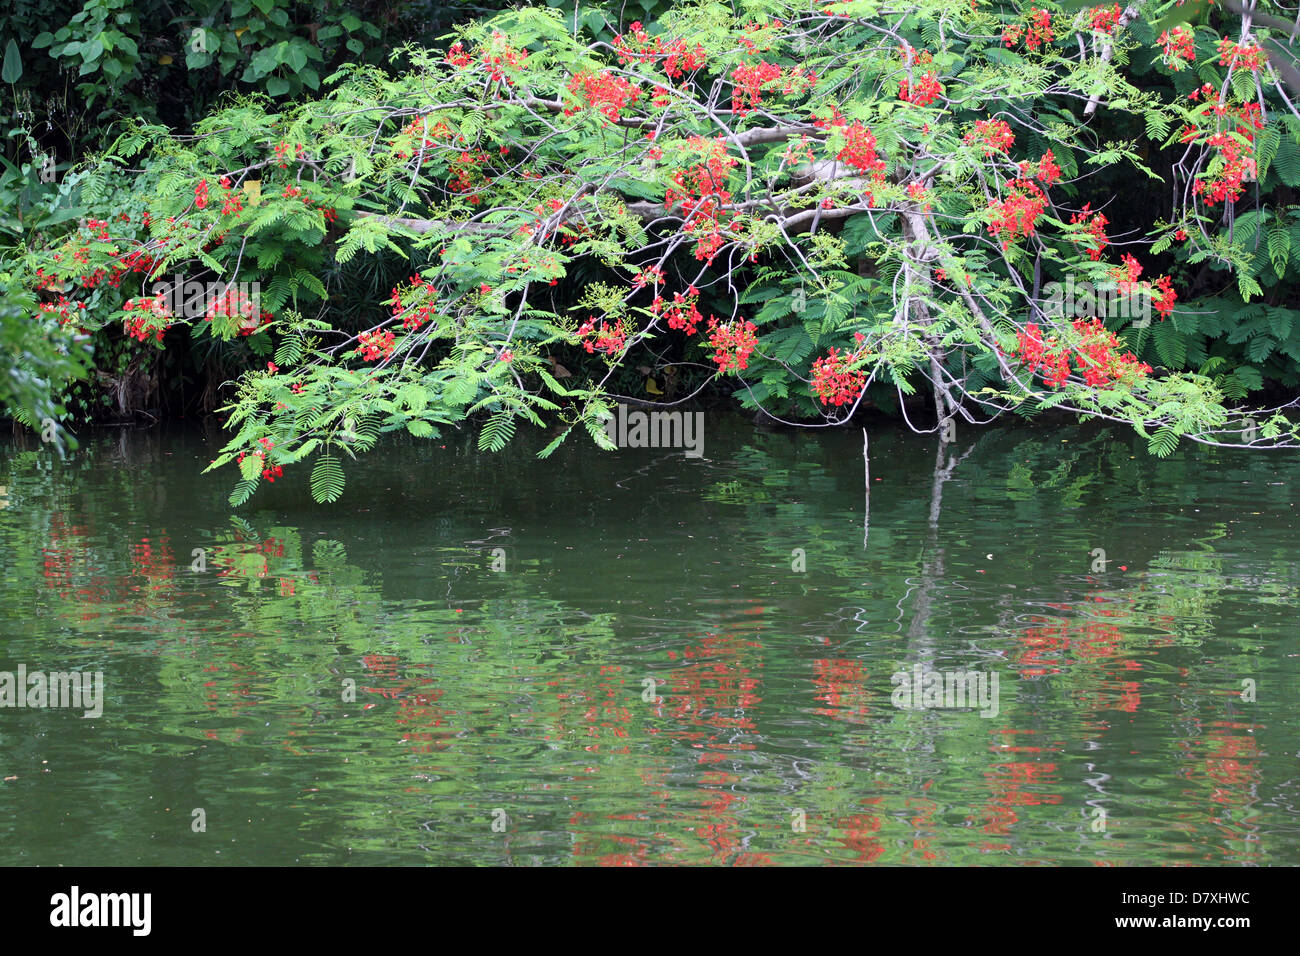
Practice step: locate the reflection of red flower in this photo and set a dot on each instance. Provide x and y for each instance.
(858, 836)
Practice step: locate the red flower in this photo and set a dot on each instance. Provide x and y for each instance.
(607, 94)
(1179, 47)
(1096, 225)
(1105, 19)
(1048, 171)
(834, 382)
(1018, 213)
(993, 136)
(732, 342)
(375, 345)
(928, 89)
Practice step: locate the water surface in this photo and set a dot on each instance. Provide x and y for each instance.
(641, 674)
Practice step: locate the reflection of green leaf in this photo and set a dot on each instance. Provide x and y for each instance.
(329, 554)
(736, 493)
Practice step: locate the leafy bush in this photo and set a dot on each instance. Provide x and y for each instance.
(812, 209)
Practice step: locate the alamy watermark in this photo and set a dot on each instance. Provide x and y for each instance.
(77, 909)
(638, 429)
(919, 689)
(37, 689)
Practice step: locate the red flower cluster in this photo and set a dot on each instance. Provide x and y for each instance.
(142, 325)
(1246, 57)
(1048, 172)
(701, 190)
(648, 275)
(1126, 279)
(751, 81)
(270, 473)
(836, 119)
(415, 316)
(375, 345)
(919, 194)
(732, 342)
(603, 92)
(927, 90)
(234, 302)
(608, 338)
(639, 47)
(67, 311)
(466, 176)
(99, 227)
(992, 135)
(1225, 185)
(1126, 275)
(1179, 46)
(1164, 303)
(1096, 224)
(201, 194)
(1035, 32)
(834, 382)
(909, 55)
(232, 203)
(860, 150)
(137, 261)
(763, 44)
(418, 128)
(1017, 214)
(282, 153)
(457, 56)
(499, 54)
(683, 313)
(1095, 357)
(1105, 19)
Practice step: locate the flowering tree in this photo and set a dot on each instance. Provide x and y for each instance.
(814, 204)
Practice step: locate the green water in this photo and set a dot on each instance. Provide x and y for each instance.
(645, 678)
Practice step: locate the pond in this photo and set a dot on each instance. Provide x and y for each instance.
(644, 657)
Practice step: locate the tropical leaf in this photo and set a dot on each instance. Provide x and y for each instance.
(327, 479)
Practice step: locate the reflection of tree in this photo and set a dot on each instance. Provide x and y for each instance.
(932, 562)
(532, 703)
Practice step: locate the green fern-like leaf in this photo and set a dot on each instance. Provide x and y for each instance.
(1279, 247)
(550, 449)
(1287, 163)
(242, 492)
(1248, 287)
(1260, 347)
(1163, 442)
(1171, 344)
(327, 479)
(1280, 323)
(500, 428)
(290, 351)
(1266, 145)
